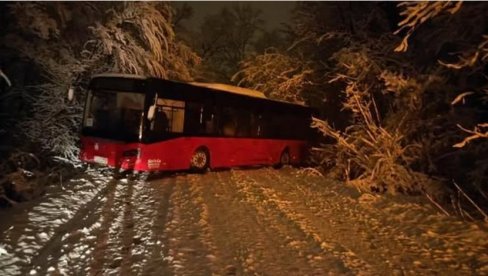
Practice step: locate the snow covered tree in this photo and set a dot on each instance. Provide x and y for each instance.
(454, 33)
(401, 125)
(468, 50)
(69, 42)
(277, 75)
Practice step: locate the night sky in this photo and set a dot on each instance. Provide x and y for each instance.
(274, 13)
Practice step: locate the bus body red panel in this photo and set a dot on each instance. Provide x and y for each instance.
(175, 154)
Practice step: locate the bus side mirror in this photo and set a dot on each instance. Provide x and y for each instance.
(151, 112)
(71, 93)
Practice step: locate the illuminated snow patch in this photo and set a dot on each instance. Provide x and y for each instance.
(3, 251)
(38, 227)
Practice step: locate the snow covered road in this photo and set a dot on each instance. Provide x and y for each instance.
(235, 222)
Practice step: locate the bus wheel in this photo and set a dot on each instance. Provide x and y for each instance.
(200, 160)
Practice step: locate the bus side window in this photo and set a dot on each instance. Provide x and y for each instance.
(256, 125)
(229, 124)
(264, 126)
(175, 113)
(272, 124)
(210, 119)
(194, 118)
(243, 117)
(211, 124)
(161, 123)
(286, 131)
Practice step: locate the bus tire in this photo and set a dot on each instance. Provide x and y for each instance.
(284, 159)
(200, 160)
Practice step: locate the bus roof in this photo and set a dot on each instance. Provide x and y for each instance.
(231, 89)
(225, 88)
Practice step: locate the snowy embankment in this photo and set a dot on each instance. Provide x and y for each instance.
(33, 230)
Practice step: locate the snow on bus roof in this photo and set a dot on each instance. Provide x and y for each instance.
(239, 90)
(231, 89)
(216, 86)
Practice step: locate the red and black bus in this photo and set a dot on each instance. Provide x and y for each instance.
(148, 124)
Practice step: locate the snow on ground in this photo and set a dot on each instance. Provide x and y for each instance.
(31, 232)
(234, 222)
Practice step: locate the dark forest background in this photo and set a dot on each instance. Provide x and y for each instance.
(401, 88)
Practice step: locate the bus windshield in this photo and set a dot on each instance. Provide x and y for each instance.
(115, 115)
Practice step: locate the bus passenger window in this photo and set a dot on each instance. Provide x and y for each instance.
(194, 118)
(243, 123)
(269, 128)
(161, 122)
(256, 129)
(210, 123)
(174, 112)
(229, 128)
(229, 124)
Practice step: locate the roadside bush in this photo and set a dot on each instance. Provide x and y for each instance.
(416, 102)
(376, 152)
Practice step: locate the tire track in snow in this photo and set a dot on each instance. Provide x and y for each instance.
(196, 190)
(150, 251)
(299, 236)
(187, 250)
(127, 235)
(111, 216)
(399, 248)
(272, 188)
(392, 241)
(246, 239)
(57, 253)
(262, 222)
(336, 217)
